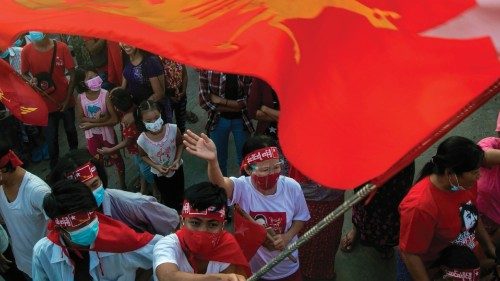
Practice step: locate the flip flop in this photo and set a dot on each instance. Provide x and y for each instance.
(348, 242)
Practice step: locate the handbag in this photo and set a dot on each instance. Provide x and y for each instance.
(44, 79)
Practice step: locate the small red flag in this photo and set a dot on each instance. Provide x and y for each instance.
(249, 234)
(22, 101)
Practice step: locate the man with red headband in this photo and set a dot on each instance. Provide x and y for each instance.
(21, 202)
(83, 244)
(140, 212)
(201, 246)
(275, 201)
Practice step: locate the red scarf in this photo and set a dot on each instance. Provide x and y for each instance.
(12, 158)
(227, 250)
(113, 236)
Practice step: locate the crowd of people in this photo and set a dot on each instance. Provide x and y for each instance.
(74, 225)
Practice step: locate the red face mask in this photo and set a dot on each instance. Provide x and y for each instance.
(201, 243)
(265, 182)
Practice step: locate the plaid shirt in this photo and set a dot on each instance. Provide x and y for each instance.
(212, 82)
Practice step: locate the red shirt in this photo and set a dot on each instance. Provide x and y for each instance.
(130, 132)
(34, 62)
(432, 219)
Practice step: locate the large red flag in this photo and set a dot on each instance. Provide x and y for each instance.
(21, 100)
(362, 92)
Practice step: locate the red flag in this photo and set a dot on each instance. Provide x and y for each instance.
(364, 90)
(22, 101)
(249, 234)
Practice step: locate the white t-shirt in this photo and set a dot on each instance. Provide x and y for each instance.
(50, 263)
(277, 211)
(161, 152)
(25, 219)
(168, 250)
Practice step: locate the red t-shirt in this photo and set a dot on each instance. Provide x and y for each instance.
(34, 62)
(130, 132)
(432, 219)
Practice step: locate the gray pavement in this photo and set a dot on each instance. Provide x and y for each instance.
(363, 263)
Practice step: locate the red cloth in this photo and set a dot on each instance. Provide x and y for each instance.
(12, 158)
(431, 219)
(250, 235)
(22, 101)
(360, 66)
(115, 63)
(227, 251)
(130, 132)
(113, 236)
(35, 62)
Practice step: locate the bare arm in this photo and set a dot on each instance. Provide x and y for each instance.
(261, 116)
(158, 88)
(273, 113)
(415, 266)
(203, 147)
(124, 83)
(491, 158)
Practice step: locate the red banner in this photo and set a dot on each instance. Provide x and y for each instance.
(21, 100)
(361, 90)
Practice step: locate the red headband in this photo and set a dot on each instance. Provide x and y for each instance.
(12, 158)
(189, 212)
(260, 155)
(74, 219)
(83, 173)
(462, 274)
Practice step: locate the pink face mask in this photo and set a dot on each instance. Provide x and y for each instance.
(94, 84)
(265, 182)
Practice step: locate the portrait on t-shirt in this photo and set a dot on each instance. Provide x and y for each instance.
(468, 216)
(274, 220)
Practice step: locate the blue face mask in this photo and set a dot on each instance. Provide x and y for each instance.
(456, 187)
(86, 235)
(99, 195)
(36, 36)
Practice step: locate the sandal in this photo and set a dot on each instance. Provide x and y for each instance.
(349, 240)
(191, 117)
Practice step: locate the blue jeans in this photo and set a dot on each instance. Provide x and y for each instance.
(52, 133)
(144, 169)
(220, 136)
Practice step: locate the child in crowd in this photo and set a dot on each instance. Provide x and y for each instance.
(97, 117)
(160, 146)
(122, 102)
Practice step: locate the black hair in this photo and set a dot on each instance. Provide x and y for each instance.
(254, 143)
(68, 196)
(72, 160)
(146, 105)
(121, 99)
(80, 74)
(5, 146)
(205, 194)
(457, 257)
(455, 154)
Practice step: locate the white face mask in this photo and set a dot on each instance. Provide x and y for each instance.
(154, 126)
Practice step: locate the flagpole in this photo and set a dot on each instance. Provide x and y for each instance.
(358, 196)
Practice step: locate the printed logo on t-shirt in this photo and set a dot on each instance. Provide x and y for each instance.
(468, 216)
(59, 61)
(274, 220)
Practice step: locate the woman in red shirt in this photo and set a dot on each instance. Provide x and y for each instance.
(440, 211)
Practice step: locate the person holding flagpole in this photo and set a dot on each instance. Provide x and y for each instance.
(275, 201)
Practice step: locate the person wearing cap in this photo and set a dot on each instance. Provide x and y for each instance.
(264, 194)
(21, 200)
(44, 63)
(140, 212)
(83, 244)
(201, 246)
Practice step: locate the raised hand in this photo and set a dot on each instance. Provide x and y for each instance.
(201, 146)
